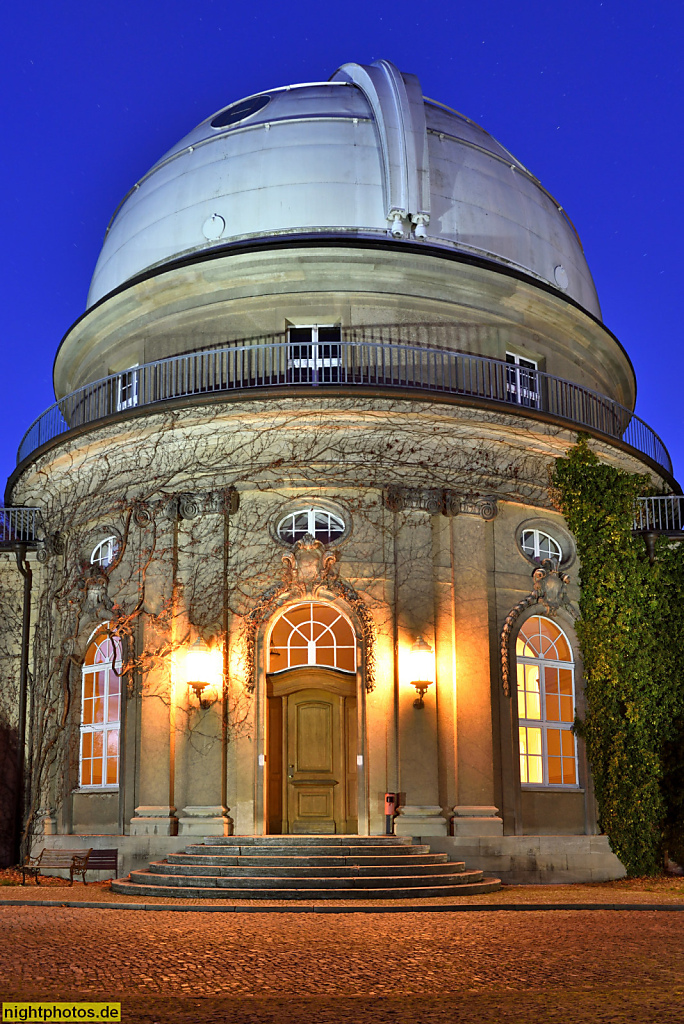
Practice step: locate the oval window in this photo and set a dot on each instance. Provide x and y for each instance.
(538, 545)
(321, 524)
(105, 552)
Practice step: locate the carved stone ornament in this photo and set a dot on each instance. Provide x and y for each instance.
(438, 501)
(142, 514)
(309, 566)
(550, 590)
(191, 505)
(50, 544)
(97, 604)
(309, 571)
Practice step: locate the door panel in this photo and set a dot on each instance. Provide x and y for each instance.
(314, 735)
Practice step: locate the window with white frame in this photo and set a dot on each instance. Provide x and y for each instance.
(101, 713)
(522, 381)
(127, 388)
(315, 354)
(104, 553)
(546, 705)
(321, 524)
(312, 634)
(538, 545)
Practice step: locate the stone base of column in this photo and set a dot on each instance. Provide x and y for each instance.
(420, 820)
(474, 820)
(154, 821)
(47, 822)
(205, 821)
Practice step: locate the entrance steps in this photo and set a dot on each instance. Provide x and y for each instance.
(306, 867)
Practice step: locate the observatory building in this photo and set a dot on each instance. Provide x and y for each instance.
(292, 560)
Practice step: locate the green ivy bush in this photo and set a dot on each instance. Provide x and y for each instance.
(631, 633)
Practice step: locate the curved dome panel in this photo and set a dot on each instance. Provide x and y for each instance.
(362, 156)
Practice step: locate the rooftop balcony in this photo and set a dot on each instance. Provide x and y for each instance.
(361, 359)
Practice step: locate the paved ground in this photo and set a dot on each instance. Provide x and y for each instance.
(598, 967)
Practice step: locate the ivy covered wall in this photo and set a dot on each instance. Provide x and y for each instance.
(631, 632)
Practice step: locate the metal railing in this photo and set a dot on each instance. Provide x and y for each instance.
(376, 357)
(662, 514)
(19, 525)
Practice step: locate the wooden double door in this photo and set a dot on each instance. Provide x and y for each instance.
(311, 752)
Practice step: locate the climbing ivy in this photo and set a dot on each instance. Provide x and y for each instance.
(631, 633)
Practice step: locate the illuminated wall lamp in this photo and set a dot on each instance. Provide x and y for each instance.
(422, 663)
(204, 672)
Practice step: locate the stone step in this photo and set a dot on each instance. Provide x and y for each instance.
(411, 861)
(416, 882)
(341, 839)
(439, 891)
(320, 850)
(257, 869)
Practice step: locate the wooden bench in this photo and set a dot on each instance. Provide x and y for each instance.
(104, 860)
(76, 861)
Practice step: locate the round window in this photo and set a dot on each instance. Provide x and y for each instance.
(321, 524)
(538, 545)
(105, 552)
(239, 111)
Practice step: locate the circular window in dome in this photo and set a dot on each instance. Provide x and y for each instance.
(239, 111)
(321, 524)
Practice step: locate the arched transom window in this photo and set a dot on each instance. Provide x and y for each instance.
(546, 705)
(101, 713)
(312, 634)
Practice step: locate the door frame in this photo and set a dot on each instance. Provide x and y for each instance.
(261, 712)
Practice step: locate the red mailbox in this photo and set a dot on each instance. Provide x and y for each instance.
(390, 803)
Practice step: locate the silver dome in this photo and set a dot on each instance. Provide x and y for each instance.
(361, 156)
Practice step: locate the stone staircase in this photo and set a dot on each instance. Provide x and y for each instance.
(312, 867)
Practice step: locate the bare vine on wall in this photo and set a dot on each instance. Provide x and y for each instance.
(189, 561)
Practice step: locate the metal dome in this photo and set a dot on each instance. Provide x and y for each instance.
(364, 155)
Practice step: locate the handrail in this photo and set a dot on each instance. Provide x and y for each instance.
(659, 514)
(364, 357)
(19, 525)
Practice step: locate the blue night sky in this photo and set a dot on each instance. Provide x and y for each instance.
(587, 95)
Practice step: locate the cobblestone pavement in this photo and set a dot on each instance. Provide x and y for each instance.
(598, 967)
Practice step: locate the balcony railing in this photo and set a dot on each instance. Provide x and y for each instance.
(363, 357)
(18, 526)
(662, 514)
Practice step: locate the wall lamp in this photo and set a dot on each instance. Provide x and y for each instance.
(422, 664)
(204, 672)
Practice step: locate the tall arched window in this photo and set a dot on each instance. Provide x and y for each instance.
(101, 713)
(312, 634)
(546, 705)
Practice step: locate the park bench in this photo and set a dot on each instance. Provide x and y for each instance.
(75, 861)
(104, 860)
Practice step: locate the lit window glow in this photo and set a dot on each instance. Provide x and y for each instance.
(546, 705)
(312, 634)
(101, 714)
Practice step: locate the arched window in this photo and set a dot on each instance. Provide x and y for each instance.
(546, 705)
(312, 634)
(101, 713)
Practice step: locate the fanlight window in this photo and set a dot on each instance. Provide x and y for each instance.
(105, 552)
(321, 524)
(546, 705)
(539, 545)
(101, 713)
(312, 634)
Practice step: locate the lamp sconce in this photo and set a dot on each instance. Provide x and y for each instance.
(422, 669)
(204, 672)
